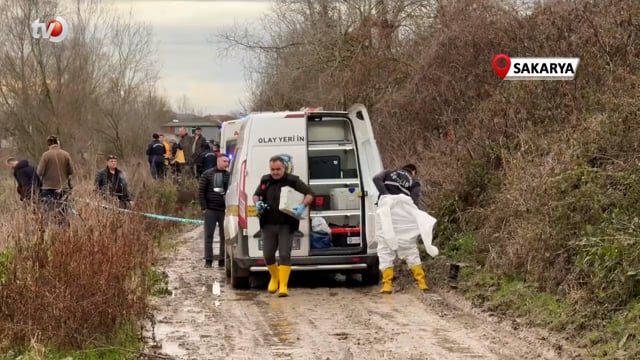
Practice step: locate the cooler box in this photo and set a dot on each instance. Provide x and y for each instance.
(344, 198)
(289, 199)
(324, 167)
(345, 237)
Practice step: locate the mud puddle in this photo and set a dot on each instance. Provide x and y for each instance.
(325, 317)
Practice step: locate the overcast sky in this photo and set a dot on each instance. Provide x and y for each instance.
(190, 65)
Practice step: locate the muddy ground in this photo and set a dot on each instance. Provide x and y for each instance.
(324, 317)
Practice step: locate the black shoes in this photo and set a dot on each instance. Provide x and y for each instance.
(208, 263)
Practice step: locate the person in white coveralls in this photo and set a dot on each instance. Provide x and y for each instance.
(399, 222)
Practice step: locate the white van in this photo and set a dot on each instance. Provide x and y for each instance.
(336, 154)
(229, 134)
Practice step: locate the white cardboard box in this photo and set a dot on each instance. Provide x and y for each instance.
(289, 199)
(343, 199)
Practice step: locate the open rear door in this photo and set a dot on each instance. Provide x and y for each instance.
(370, 162)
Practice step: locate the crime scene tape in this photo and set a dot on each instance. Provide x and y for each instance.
(149, 215)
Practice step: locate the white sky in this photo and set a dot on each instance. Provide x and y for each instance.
(190, 65)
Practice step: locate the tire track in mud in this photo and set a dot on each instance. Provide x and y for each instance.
(330, 321)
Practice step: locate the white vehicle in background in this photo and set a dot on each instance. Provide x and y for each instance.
(336, 154)
(229, 134)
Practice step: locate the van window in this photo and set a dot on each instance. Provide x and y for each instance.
(232, 163)
(230, 148)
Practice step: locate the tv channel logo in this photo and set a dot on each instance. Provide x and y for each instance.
(55, 30)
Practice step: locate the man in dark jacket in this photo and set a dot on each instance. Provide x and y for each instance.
(198, 145)
(27, 180)
(111, 181)
(278, 227)
(213, 187)
(155, 153)
(209, 159)
(400, 181)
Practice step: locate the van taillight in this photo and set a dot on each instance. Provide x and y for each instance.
(319, 201)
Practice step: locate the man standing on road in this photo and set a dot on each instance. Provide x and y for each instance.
(278, 227)
(213, 187)
(55, 169)
(186, 143)
(197, 148)
(155, 154)
(28, 182)
(399, 222)
(111, 181)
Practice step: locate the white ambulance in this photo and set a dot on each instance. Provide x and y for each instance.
(336, 154)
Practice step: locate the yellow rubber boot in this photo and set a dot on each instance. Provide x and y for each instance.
(273, 283)
(418, 274)
(283, 272)
(387, 278)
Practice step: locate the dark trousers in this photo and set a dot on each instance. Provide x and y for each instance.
(277, 238)
(211, 219)
(54, 205)
(198, 170)
(157, 170)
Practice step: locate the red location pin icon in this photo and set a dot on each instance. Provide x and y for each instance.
(501, 70)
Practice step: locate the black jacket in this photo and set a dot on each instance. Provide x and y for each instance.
(28, 181)
(214, 184)
(156, 151)
(113, 184)
(269, 192)
(396, 182)
(209, 159)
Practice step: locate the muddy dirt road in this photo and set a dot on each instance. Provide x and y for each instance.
(332, 320)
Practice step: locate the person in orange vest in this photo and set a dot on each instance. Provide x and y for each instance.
(167, 151)
(177, 157)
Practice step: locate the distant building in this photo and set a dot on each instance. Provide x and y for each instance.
(210, 125)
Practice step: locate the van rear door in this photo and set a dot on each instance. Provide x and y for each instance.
(370, 163)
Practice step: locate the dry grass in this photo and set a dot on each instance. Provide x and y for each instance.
(78, 286)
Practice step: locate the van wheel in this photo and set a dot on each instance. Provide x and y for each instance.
(371, 276)
(238, 282)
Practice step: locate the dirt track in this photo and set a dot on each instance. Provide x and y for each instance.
(333, 320)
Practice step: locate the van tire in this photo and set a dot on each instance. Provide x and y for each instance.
(238, 282)
(371, 276)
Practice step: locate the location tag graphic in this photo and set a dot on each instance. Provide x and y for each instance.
(502, 71)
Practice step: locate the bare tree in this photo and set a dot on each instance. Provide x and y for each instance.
(93, 89)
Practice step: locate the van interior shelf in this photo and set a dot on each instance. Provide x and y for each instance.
(334, 181)
(331, 146)
(335, 213)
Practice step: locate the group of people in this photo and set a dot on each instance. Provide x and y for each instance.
(398, 223)
(49, 183)
(396, 234)
(189, 155)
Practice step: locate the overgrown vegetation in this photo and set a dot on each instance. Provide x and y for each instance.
(83, 291)
(535, 182)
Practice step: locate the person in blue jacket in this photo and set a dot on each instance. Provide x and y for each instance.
(155, 153)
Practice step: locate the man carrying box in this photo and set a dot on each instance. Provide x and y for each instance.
(278, 226)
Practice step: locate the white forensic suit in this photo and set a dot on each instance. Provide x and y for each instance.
(399, 222)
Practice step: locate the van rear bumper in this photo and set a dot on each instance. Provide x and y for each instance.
(315, 263)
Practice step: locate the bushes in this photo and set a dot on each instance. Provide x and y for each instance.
(85, 285)
(73, 287)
